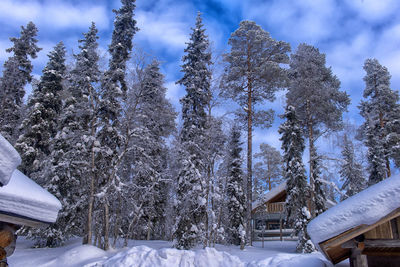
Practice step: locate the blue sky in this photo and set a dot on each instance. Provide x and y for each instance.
(347, 31)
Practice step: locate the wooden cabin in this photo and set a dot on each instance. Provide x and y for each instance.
(364, 228)
(268, 215)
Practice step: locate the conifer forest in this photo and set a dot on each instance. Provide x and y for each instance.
(98, 130)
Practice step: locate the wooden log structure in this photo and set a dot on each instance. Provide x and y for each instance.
(372, 245)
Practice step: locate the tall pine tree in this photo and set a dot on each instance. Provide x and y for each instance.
(16, 74)
(191, 203)
(113, 90)
(253, 74)
(70, 170)
(314, 92)
(40, 125)
(298, 191)
(381, 111)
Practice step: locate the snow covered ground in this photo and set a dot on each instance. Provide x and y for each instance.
(160, 253)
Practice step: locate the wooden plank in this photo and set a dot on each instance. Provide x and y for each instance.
(382, 253)
(382, 243)
(21, 221)
(352, 233)
(398, 224)
(395, 229)
(373, 243)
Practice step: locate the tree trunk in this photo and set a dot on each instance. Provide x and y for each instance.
(207, 238)
(148, 229)
(249, 147)
(311, 153)
(117, 220)
(382, 125)
(269, 175)
(89, 234)
(249, 169)
(106, 226)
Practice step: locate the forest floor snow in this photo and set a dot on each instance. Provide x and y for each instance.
(159, 253)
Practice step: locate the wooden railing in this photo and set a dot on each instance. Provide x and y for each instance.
(276, 207)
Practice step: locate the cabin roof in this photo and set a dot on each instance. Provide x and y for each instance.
(270, 195)
(9, 160)
(22, 201)
(354, 216)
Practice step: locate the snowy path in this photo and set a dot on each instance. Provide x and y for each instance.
(159, 253)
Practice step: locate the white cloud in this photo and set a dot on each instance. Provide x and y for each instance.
(270, 136)
(174, 93)
(163, 29)
(308, 21)
(4, 44)
(374, 10)
(52, 14)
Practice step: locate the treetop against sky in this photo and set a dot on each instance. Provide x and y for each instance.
(348, 32)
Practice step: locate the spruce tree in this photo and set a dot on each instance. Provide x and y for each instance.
(381, 128)
(40, 125)
(113, 90)
(236, 203)
(298, 191)
(16, 74)
(69, 173)
(253, 74)
(314, 92)
(351, 170)
(191, 203)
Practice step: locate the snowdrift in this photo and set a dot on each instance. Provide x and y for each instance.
(144, 256)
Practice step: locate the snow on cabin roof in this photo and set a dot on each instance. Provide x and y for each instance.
(269, 195)
(23, 197)
(9, 160)
(366, 207)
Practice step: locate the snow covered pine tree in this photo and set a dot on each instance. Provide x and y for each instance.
(314, 93)
(381, 111)
(70, 172)
(236, 232)
(113, 90)
(253, 74)
(191, 202)
(298, 191)
(16, 74)
(40, 125)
